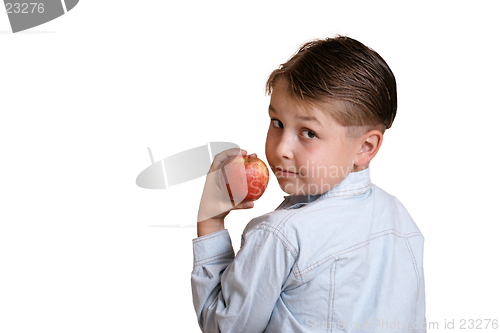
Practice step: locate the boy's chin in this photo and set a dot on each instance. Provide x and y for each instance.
(293, 190)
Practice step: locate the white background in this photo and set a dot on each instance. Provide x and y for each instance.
(83, 249)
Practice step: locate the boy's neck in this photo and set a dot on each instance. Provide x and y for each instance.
(357, 168)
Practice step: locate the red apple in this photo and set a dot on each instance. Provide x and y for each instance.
(245, 178)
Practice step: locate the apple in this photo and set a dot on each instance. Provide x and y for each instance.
(244, 177)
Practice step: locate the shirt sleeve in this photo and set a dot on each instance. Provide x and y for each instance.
(231, 293)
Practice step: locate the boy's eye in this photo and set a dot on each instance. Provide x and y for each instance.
(309, 134)
(277, 123)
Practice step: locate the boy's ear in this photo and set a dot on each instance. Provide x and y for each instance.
(370, 144)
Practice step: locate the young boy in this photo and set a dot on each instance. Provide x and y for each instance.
(339, 253)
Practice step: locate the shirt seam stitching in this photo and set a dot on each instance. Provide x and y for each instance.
(332, 297)
(414, 262)
(285, 241)
(216, 234)
(285, 219)
(343, 251)
(217, 257)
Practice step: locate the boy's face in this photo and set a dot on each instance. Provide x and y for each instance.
(316, 152)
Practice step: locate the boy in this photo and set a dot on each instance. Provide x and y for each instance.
(339, 253)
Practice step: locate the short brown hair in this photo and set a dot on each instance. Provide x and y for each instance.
(344, 76)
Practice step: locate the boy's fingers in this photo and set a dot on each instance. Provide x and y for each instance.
(230, 152)
(221, 157)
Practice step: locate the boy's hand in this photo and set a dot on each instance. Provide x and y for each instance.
(214, 205)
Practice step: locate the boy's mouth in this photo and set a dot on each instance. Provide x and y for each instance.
(280, 172)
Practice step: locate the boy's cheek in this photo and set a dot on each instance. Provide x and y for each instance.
(268, 151)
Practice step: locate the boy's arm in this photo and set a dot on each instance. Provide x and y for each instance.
(209, 226)
(235, 294)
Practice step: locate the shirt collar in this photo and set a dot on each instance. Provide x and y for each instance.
(355, 183)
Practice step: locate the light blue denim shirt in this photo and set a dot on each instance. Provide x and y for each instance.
(348, 260)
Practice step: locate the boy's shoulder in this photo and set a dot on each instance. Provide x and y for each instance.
(279, 224)
(374, 210)
(273, 221)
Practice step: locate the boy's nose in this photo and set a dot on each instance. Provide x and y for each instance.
(284, 148)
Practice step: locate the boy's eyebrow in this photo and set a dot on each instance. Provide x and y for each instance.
(303, 118)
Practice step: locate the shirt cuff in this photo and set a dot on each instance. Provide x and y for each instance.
(212, 247)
